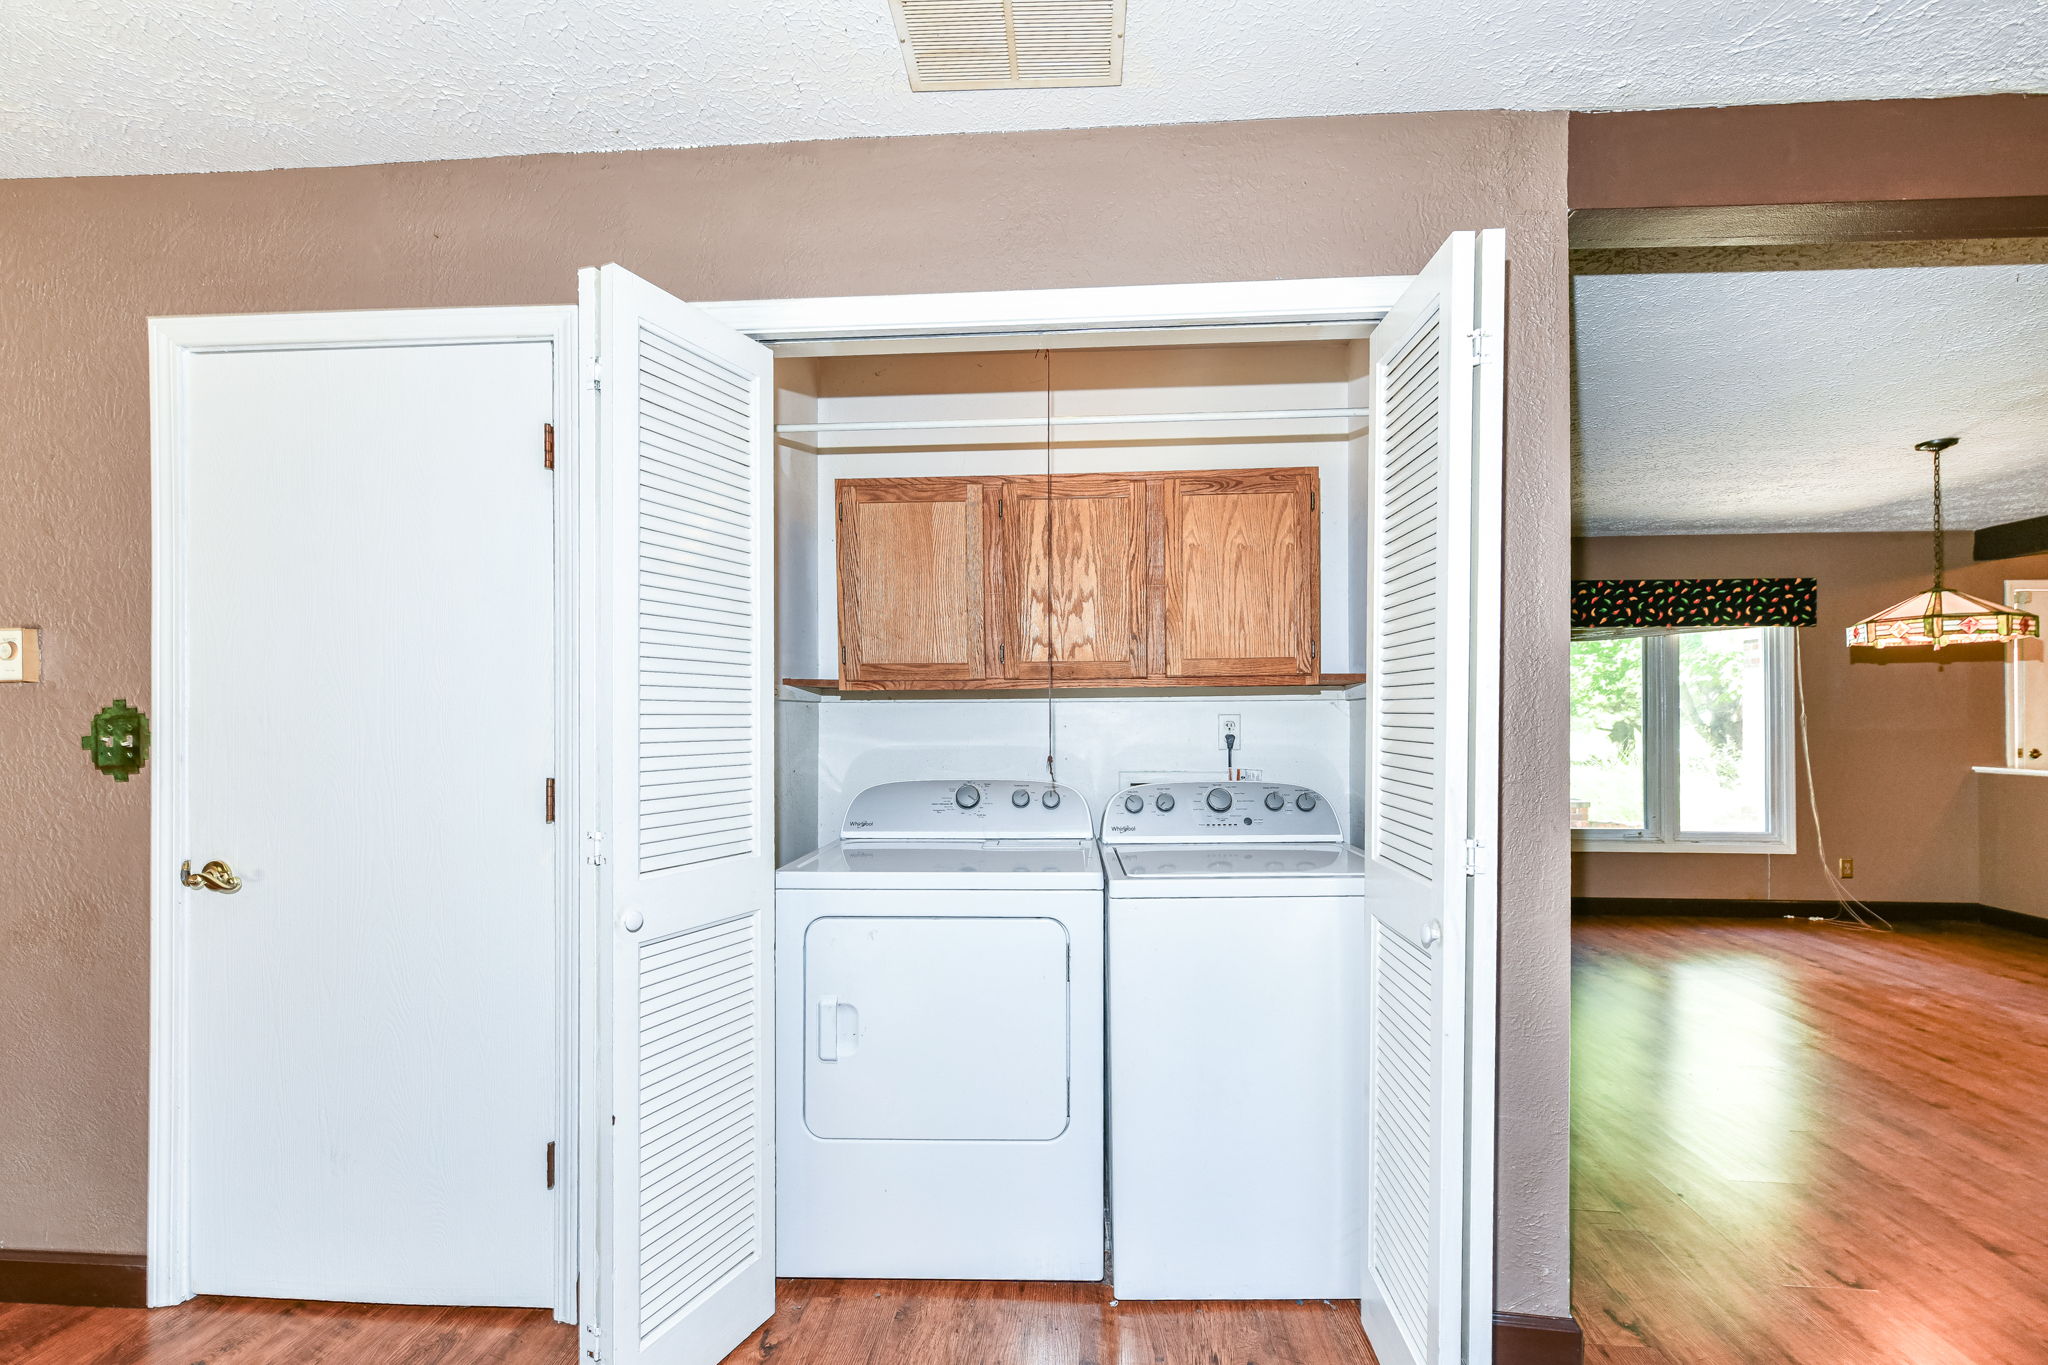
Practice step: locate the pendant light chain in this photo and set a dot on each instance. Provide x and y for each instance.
(1940, 540)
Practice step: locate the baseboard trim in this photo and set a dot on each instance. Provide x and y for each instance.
(1532, 1339)
(81, 1279)
(2014, 920)
(1899, 912)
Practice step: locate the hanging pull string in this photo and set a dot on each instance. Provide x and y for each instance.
(1853, 914)
(1052, 772)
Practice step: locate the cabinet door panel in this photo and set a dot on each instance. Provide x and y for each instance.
(1073, 596)
(1242, 567)
(911, 580)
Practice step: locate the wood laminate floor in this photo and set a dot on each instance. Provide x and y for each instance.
(817, 1322)
(1803, 1145)
(1794, 1145)
(935, 1322)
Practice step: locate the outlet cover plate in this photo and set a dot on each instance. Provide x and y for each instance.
(19, 661)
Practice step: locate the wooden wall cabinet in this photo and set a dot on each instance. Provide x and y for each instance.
(1243, 574)
(912, 581)
(1200, 578)
(1069, 589)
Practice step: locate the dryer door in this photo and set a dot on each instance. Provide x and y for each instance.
(936, 1028)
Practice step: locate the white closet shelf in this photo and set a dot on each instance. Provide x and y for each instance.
(936, 686)
(1039, 423)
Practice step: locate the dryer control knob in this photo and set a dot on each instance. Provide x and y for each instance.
(967, 798)
(1134, 803)
(1050, 800)
(1219, 800)
(1020, 798)
(1164, 801)
(1306, 801)
(1275, 801)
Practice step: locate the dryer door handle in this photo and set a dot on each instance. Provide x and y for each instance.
(828, 1028)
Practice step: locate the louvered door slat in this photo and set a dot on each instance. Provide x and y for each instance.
(1409, 604)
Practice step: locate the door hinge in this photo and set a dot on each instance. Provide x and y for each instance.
(1311, 649)
(547, 445)
(1472, 851)
(842, 514)
(842, 656)
(596, 855)
(1002, 654)
(596, 374)
(1311, 502)
(999, 509)
(551, 800)
(1477, 346)
(551, 1165)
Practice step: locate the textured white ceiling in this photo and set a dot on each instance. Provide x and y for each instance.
(100, 87)
(1791, 401)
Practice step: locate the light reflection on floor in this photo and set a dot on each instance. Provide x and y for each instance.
(1797, 1143)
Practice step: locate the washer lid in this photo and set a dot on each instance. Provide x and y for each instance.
(1199, 870)
(947, 864)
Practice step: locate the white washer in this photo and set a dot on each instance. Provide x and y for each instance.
(1237, 1020)
(939, 1050)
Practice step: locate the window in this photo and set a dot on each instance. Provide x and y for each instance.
(1683, 742)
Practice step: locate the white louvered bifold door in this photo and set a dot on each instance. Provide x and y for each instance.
(1431, 803)
(684, 596)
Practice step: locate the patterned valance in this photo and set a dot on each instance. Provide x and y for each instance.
(1618, 605)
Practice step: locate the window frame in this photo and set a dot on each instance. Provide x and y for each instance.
(1662, 830)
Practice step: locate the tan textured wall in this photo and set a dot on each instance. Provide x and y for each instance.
(1844, 151)
(1894, 734)
(83, 262)
(2013, 842)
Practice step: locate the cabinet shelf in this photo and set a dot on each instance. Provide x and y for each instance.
(1017, 687)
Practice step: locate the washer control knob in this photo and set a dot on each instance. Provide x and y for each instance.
(1134, 803)
(1275, 801)
(1219, 800)
(1050, 800)
(968, 797)
(1164, 801)
(1305, 801)
(1020, 798)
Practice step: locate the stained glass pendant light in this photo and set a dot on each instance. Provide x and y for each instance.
(1940, 617)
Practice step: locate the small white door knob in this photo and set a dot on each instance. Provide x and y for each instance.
(631, 921)
(1432, 933)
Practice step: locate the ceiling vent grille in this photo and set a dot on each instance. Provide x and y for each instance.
(1010, 44)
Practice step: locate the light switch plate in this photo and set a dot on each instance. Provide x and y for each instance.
(18, 661)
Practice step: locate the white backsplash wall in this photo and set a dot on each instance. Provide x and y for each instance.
(1288, 738)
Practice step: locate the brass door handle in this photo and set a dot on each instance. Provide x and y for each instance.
(215, 876)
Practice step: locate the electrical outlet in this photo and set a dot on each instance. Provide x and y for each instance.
(1848, 869)
(18, 662)
(1228, 726)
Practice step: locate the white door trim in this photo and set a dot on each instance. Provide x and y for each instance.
(170, 341)
(1117, 309)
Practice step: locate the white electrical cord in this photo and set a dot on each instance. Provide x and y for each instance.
(1854, 914)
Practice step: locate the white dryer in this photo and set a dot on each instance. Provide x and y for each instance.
(1237, 1018)
(939, 1050)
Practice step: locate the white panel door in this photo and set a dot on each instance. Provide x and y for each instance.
(936, 1028)
(1433, 618)
(368, 614)
(683, 414)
